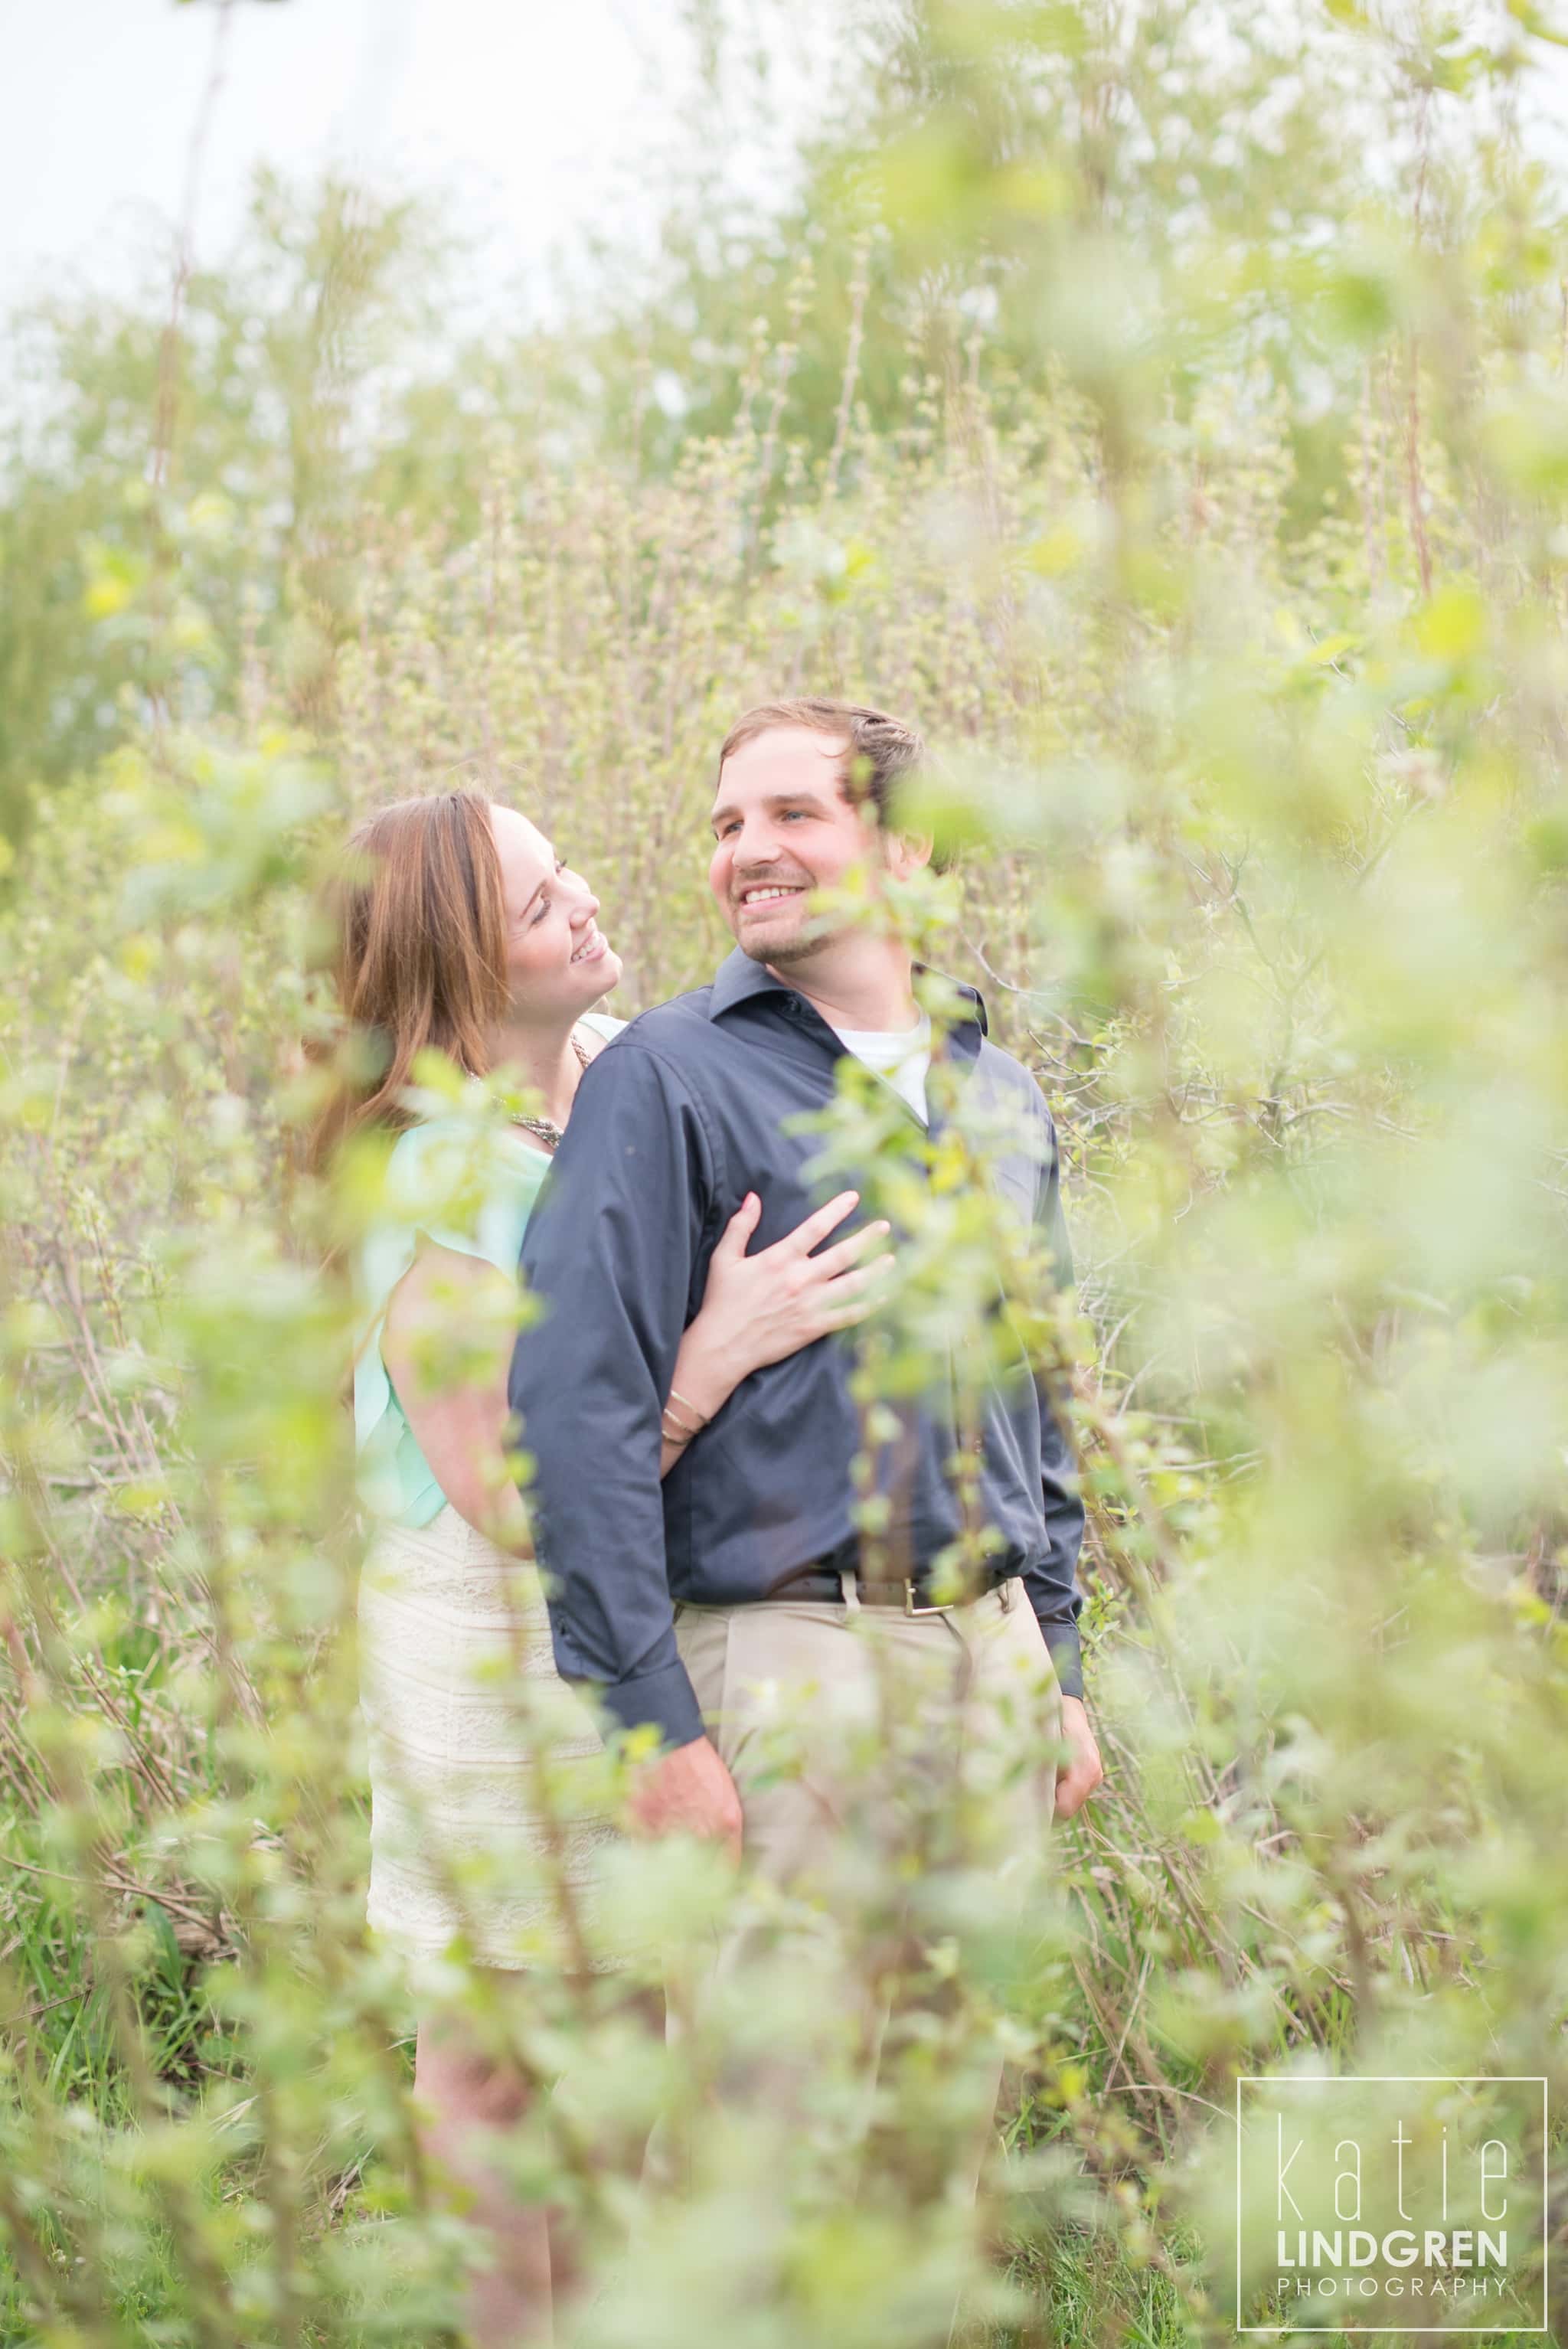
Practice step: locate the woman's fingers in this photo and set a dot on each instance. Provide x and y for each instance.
(816, 1227)
(732, 1240)
(865, 1275)
(835, 1261)
(852, 1297)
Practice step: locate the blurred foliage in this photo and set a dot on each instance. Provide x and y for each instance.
(1166, 406)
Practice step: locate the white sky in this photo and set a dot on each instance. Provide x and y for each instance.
(538, 113)
(543, 116)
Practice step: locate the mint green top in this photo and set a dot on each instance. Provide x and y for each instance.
(467, 1186)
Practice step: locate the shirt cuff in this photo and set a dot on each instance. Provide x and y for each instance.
(1067, 1655)
(664, 1700)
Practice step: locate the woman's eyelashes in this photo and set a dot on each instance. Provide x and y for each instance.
(544, 902)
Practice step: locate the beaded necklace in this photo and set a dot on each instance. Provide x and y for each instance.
(546, 1128)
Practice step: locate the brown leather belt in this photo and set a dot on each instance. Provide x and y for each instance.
(822, 1580)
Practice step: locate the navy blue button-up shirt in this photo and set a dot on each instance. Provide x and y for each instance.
(674, 1121)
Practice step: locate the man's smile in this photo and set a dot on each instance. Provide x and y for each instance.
(770, 893)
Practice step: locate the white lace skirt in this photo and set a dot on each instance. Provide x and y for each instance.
(490, 1785)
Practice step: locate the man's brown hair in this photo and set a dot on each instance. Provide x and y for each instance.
(420, 959)
(881, 748)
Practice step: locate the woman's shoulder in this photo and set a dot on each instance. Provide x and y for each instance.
(600, 1023)
(431, 1148)
(456, 1173)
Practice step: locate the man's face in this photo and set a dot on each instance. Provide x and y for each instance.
(783, 826)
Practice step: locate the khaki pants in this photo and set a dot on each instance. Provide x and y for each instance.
(897, 1774)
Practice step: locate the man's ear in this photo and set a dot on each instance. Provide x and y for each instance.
(907, 852)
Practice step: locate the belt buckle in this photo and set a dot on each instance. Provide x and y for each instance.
(909, 1606)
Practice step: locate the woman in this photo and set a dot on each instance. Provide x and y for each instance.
(461, 930)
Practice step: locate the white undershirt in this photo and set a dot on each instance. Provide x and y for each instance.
(902, 1055)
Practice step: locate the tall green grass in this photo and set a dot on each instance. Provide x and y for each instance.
(1227, 581)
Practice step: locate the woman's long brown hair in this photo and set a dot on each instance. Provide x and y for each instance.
(421, 959)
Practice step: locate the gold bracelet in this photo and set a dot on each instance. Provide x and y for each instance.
(686, 1403)
(676, 1441)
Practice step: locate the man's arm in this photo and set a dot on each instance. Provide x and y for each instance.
(611, 1251)
(1052, 1584)
(1053, 1587)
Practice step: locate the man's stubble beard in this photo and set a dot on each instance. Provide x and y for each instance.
(800, 949)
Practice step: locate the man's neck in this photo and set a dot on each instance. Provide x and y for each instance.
(867, 991)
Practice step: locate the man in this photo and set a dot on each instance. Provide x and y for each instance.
(752, 1541)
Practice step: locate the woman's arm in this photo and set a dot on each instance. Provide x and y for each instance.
(759, 1309)
(451, 1324)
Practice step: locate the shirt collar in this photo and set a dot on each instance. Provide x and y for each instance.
(737, 979)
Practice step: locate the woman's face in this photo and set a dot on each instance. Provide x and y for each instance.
(557, 958)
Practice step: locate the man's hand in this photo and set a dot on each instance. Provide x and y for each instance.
(1077, 1781)
(688, 1792)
